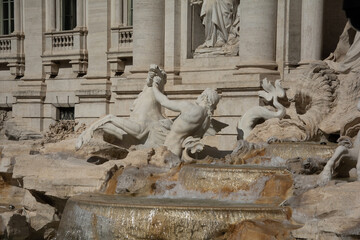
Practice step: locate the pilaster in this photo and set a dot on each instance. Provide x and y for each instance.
(148, 45)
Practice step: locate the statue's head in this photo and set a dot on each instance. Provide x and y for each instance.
(154, 70)
(210, 98)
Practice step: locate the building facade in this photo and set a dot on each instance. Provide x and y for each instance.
(82, 59)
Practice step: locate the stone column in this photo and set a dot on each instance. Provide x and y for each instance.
(257, 35)
(58, 15)
(17, 16)
(148, 27)
(80, 16)
(311, 30)
(125, 12)
(94, 91)
(31, 89)
(50, 15)
(116, 13)
(172, 40)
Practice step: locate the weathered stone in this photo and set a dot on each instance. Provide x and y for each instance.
(4, 115)
(160, 157)
(332, 211)
(16, 133)
(38, 214)
(11, 195)
(7, 164)
(60, 175)
(13, 226)
(133, 179)
(259, 229)
(96, 147)
(60, 130)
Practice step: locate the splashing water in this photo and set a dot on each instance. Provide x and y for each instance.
(274, 162)
(173, 189)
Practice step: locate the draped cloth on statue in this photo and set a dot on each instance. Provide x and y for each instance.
(345, 61)
(218, 16)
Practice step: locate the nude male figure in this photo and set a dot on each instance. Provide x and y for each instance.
(194, 119)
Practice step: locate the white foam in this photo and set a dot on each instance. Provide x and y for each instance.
(166, 190)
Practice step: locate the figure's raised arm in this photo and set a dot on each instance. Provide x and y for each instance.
(162, 99)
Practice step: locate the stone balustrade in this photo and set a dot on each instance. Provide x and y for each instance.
(121, 47)
(65, 46)
(12, 53)
(63, 41)
(125, 38)
(5, 45)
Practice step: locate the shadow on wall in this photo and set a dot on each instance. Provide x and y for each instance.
(352, 9)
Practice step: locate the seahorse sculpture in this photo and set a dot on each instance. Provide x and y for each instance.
(250, 119)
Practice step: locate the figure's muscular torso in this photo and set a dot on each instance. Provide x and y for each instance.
(192, 121)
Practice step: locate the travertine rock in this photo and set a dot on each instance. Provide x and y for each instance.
(330, 212)
(96, 147)
(20, 204)
(160, 157)
(4, 115)
(38, 214)
(60, 130)
(17, 134)
(134, 179)
(259, 229)
(60, 175)
(13, 226)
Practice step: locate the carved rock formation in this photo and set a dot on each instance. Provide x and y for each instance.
(61, 130)
(330, 212)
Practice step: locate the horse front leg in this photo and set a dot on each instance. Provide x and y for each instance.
(326, 174)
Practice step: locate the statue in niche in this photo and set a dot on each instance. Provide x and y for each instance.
(145, 116)
(221, 21)
(151, 129)
(194, 121)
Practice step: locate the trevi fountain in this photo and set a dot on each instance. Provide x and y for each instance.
(291, 173)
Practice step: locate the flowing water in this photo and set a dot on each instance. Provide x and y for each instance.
(205, 201)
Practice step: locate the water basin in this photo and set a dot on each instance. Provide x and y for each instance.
(97, 216)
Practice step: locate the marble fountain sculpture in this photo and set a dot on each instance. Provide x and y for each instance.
(148, 125)
(157, 195)
(179, 203)
(259, 113)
